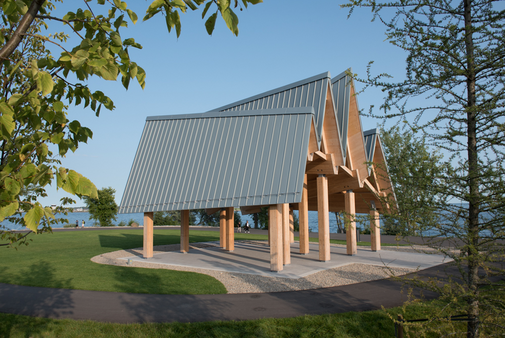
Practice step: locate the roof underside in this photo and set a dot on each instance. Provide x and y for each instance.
(216, 160)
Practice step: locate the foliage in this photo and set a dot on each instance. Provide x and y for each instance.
(415, 171)
(38, 87)
(172, 217)
(203, 218)
(454, 90)
(263, 218)
(104, 208)
(237, 219)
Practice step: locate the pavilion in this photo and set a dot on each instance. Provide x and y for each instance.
(298, 147)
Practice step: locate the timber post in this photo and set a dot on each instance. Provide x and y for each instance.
(222, 228)
(184, 231)
(303, 210)
(148, 235)
(350, 223)
(286, 245)
(375, 231)
(323, 218)
(230, 234)
(275, 226)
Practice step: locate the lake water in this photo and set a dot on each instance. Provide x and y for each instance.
(139, 218)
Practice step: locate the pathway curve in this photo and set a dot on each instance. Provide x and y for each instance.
(140, 308)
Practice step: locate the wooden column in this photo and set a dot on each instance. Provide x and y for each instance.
(350, 223)
(291, 226)
(222, 228)
(375, 231)
(275, 225)
(323, 218)
(148, 234)
(286, 253)
(230, 234)
(303, 210)
(184, 231)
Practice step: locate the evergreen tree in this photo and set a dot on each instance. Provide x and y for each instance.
(454, 93)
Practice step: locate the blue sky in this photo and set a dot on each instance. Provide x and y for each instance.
(280, 42)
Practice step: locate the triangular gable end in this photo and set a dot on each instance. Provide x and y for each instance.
(331, 134)
(341, 98)
(350, 123)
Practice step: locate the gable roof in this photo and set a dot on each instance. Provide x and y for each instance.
(219, 159)
(310, 92)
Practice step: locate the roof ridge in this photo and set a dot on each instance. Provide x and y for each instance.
(275, 91)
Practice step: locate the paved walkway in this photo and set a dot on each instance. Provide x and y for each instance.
(139, 308)
(254, 258)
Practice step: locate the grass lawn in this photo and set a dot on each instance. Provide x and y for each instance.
(62, 260)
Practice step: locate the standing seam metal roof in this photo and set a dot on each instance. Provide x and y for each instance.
(310, 92)
(218, 159)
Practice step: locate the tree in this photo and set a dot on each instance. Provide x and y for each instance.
(103, 208)
(414, 170)
(172, 217)
(37, 88)
(454, 91)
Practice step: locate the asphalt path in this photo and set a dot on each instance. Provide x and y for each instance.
(142, 308)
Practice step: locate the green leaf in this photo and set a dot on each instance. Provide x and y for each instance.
(33, 216)
(58, 106)
(79, 58)
(8, 210)
(86, 188)
(14, 99)
(57, 138)
(206, 8)
(12, 186)
(133, 16)
(109, 72)
(116, 39)
(97, 62)
(231, 20)
(45, 80)
(211, 23)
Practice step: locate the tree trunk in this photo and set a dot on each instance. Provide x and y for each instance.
(473, 180)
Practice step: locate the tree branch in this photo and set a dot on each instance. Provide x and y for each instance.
(23, 27)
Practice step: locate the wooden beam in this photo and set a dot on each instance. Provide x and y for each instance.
(303, 213)
(319, 155)
(313, 145)
(375, 231)
(323, 218)
(275, 226)
(286, 254)
(291, 226)
(355, 138)
(320, 166)
(350, 224)
(330, 130)
(251, 209)
(212, 211)
(184, 231)
(148, 235)
(230, 234)
(222, 228)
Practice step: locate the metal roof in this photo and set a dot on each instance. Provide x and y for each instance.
(371, 136)
(217, 159)
(310, 92)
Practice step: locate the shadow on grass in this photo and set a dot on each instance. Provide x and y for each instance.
(123, 241)
(34, 301)
(129, 241)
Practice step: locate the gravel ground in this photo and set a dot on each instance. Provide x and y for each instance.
(248, 283)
